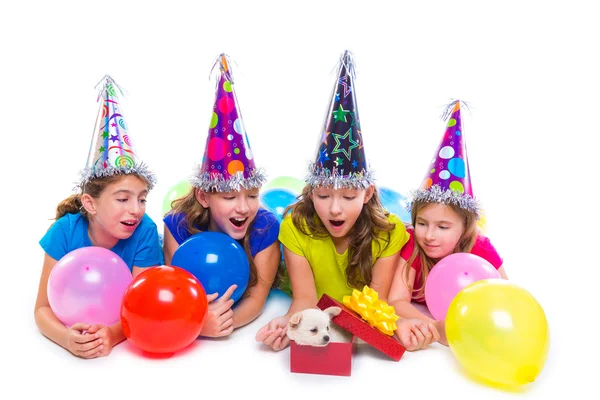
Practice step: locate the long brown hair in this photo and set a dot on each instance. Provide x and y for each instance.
(369, 226)
(94, 187)
(464, 245)
(196, 215)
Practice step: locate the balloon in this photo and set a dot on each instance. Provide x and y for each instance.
(180, 189)
(482, 223)
(498, 332)
(276, 201)
(216, 260)
(452, 274)
(395, 203)
(164, 309)
(87, 285)
(286, 182)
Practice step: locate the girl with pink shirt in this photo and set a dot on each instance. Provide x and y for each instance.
(444, 218)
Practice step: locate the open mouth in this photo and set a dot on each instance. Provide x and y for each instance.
(238, 222)
(336, 223)
(129, 223)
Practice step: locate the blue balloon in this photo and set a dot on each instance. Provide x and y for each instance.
(216, 260)
(276, 200)
(395, 203)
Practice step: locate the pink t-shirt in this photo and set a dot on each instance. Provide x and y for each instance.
(482, 248)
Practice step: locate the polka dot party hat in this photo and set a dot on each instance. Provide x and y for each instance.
(448, 179)
(228, 162)
(340, 161)
(111, 150)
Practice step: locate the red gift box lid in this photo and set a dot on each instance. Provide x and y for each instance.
(353, 323)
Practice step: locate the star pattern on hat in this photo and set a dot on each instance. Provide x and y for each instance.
(351, 142)
(340, 114)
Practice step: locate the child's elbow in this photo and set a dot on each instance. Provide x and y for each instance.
(398, 298)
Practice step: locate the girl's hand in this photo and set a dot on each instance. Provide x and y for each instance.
(274, 334)
(84, 345)
(219, 319)
(415, 334)
(105, 338)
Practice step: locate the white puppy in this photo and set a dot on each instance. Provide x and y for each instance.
(311, 327)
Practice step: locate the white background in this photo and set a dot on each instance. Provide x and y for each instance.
(529, 70)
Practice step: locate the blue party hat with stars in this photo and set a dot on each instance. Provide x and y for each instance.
(340, 161)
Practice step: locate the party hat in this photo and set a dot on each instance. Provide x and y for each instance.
(448, 179)
(228, 162)
(340, 161)
(111, 151)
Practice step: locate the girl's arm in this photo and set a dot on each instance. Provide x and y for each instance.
(415, 329)
(502, 272)
(170, 245)
(303, 283)
(400, 296)
(304, 296)
(72, 339)
(383, 274)
(250, 307)
(112, 335)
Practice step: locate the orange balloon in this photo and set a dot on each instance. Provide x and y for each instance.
(163, 309)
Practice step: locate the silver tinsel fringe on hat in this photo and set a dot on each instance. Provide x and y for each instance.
(88, 174)
(324, 177)
(216, 183)
(435, 194)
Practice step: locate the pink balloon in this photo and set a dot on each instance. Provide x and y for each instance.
(452, 274)
(87, 285)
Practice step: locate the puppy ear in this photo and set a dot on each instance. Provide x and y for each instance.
(333, 311)
(295, 319)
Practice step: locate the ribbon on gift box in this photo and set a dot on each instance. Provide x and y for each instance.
(375, 312)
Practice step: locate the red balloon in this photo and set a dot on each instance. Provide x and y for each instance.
(163, 309)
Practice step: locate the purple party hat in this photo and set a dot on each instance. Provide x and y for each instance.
(448, 179)
(228, 162)
(340, 161)
(111, 151)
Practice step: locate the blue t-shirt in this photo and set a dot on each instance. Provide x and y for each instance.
(70, 232)
(264, 233)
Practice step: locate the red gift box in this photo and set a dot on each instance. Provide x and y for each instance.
(336, 358)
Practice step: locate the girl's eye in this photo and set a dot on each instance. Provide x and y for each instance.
(443, 227)
(122, 200)
(421, 223)
(322, 197)
(349, 197)
(229, 198)
(253, 196)
(143, 201)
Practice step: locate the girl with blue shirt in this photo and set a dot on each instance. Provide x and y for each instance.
(224, 198)
(108, 211)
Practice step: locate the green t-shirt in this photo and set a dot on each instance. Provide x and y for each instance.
(328, 266)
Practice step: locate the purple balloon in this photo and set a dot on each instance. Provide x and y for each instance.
(87, 285)
(452, 274)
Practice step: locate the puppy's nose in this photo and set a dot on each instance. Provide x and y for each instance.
(326, 339)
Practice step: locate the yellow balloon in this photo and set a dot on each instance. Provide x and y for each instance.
(498, 332)
(482, 222)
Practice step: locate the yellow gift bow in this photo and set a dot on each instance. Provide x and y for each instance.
(376, 312)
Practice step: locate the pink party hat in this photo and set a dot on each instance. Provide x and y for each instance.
(111, 151)
(448, 179)
(228, 162)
